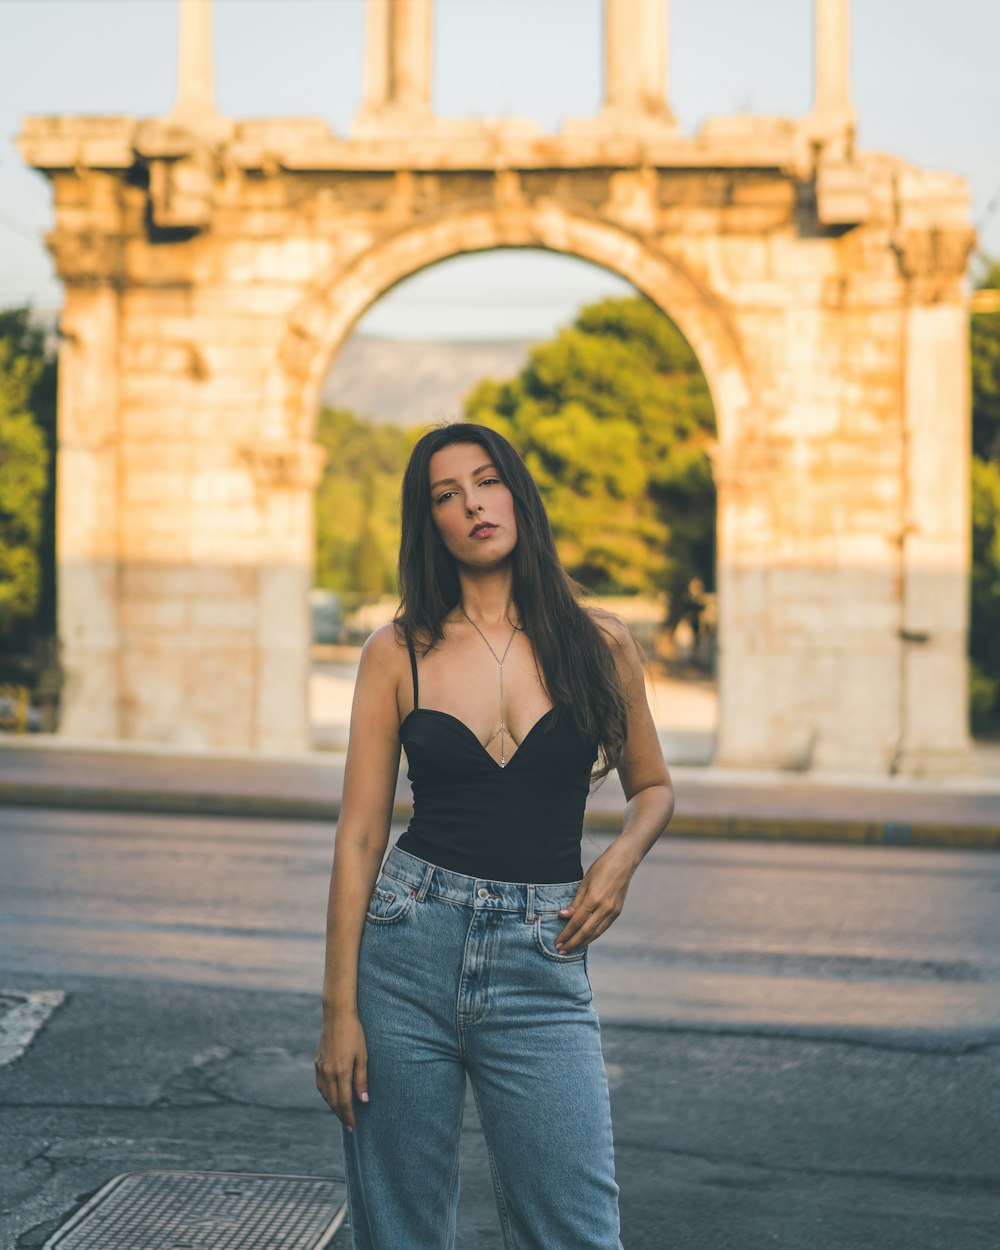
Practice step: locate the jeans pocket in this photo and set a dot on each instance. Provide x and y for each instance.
(388, 903)
(548, 926)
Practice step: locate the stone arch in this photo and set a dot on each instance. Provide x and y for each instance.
(214, 265)
(323, 319)
(325, 316)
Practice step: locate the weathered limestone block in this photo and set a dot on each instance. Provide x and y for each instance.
(181, 192)
(216, 615)
(150, 488)
(192, 696)
(154, 616)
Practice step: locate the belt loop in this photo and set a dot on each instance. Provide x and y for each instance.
(529, 910)
(425, 885)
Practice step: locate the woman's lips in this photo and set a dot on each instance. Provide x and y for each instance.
(487, 531)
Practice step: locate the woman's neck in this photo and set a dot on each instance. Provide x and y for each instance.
(487, 598)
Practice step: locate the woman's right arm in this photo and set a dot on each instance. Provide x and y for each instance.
(362, 835)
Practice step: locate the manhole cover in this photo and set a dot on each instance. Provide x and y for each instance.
(207, 1211)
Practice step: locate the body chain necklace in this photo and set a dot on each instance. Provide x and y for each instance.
(503, 731)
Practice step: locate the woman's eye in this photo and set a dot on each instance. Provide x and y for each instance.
(487, 481)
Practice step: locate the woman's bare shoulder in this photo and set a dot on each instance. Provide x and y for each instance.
(385, 641)
(610, 624)
(383, 668)
(384, 647)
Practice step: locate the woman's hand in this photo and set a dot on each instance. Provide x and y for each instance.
(599, 899)
(342, 1065)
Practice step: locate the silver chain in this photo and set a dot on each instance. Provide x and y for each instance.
(503, 731)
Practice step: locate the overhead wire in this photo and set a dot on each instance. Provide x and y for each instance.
(19, 227)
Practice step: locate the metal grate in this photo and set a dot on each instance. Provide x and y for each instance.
(156, 1210)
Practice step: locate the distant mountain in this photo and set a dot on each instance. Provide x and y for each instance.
(410, 383)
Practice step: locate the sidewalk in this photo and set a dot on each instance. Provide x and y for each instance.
(52, 772)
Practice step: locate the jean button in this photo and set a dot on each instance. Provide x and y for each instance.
(483, 892)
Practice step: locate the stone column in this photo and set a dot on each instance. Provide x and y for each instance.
(283, 627)
(376, 72)
(935, 554)
(635, 58)
(410, 54)
(397, 60)
(195, 104)
(833, 112)
(87, 521)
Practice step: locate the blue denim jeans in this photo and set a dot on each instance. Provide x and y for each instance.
(460, 975)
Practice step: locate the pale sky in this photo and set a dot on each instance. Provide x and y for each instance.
(925, 82)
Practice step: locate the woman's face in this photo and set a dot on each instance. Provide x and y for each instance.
(472, 508)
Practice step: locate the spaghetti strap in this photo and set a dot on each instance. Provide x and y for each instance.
(413, 670)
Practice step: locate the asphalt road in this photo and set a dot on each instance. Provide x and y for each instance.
(803, 1042)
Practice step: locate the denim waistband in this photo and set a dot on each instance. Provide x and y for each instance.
(425, 878)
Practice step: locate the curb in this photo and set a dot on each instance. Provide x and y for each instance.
(169, 802)
(852, 830)
(726, 828)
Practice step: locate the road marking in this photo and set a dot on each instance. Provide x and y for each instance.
(22, 1014)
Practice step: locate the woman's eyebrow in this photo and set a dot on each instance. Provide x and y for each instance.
(450, 481)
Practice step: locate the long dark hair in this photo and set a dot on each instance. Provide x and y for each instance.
(577, 665)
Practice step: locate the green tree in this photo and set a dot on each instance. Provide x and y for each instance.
(357, 503)
(984, 622)
(24, 478)
(614, 419)
(370, 571)
(984, 627)
(986, 372)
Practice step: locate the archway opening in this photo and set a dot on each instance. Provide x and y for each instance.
(608, 404)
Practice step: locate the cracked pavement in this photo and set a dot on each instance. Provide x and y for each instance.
(803, 1044)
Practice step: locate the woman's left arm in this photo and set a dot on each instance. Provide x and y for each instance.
(649, 805)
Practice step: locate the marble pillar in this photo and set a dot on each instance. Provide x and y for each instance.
(397, 83)
(195, 102)
(635, 58)
(833, 114)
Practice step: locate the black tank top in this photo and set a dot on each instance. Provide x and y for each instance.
(523, 822)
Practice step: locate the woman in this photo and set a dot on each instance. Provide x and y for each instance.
(467, 953)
